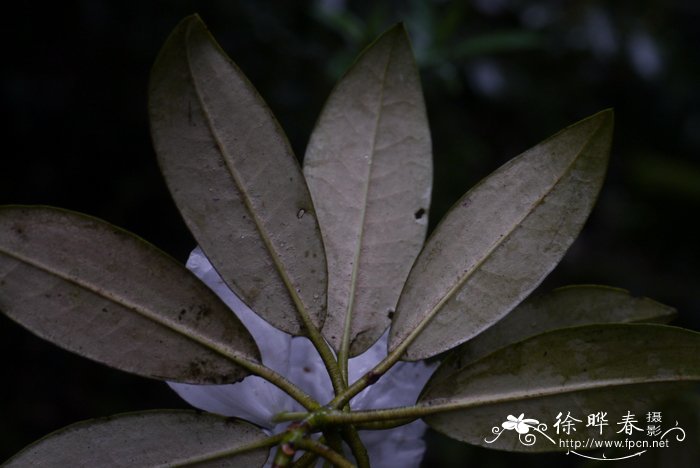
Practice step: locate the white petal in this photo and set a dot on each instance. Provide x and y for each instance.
(307, 371)
(400, 386)
(257, 401)
(273, 343)
(253, 399)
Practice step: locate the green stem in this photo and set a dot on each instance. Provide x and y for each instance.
(334, 441)
(342, 398)
(327, 357)
(287, 416)
(375, 419)
(358, 448)
(334, 457)
(389, 416)
(344, 350)
(294, 433)
(383, 425)
(343, 358)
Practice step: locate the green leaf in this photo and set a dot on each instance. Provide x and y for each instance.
(153, 438)
(501, 239)
(581, 370)
(235, 180)
(369, 169)
(106, 294)
(561, 308)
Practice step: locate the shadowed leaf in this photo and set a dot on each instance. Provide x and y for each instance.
(561, 308)
(235, 180)
(106, 294)
(369, 169)
(148, 439)
(501, 239)
(581, 370)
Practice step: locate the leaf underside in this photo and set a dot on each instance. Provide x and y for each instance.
(106, 294)
(153, 438)
(561, 308)
(235, 180)
(582, 370)
(501, 239)
(369, 170)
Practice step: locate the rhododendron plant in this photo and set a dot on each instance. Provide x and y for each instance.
(315, 320)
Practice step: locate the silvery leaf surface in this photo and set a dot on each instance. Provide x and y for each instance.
(369, 168)
(581, 370)
(233, 176)
(564, 307)
(106, 294)
(148, 439)
(500, 240)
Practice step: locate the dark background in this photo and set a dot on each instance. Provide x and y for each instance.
(498, 75)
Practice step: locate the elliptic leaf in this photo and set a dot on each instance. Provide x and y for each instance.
(501, 239)
(235, 180)
(581, 370)
(569, 306)
(148, 439)
(369, 169)
(108, 295)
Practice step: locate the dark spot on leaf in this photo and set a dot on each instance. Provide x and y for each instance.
(195, 369)
(104, 309)
(202, 312)
(420, 213)
(181, 314)
(545, 353)
(198, 370)
(307, 369)
(253, 293)
(390, 314)
(19, 230)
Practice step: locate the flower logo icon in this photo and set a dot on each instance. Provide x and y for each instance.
(521, 425)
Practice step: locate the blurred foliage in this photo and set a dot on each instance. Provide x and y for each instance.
(499, 76)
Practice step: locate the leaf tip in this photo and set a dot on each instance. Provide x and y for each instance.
(605, 119)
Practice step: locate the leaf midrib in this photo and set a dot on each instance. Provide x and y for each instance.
(347, 326)
(542, 392)
(225, 156)
(461, 281)
(187, 333)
